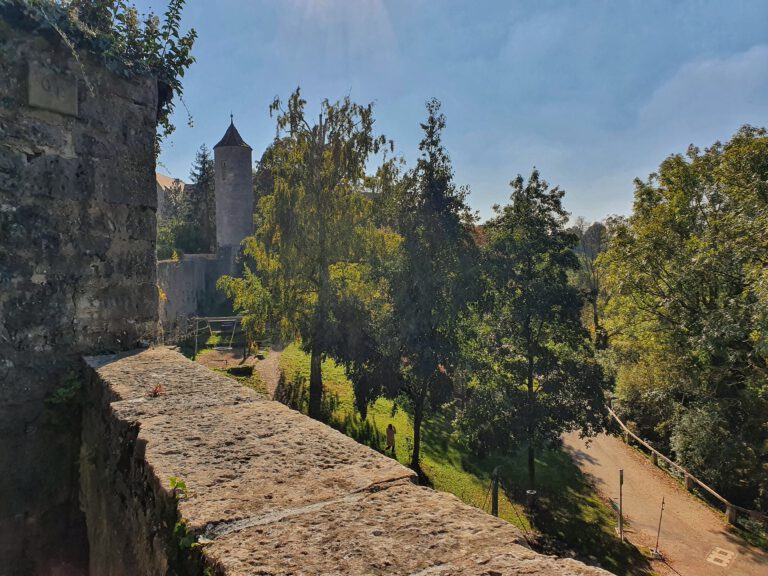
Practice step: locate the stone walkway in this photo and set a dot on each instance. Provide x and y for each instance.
(266, 489)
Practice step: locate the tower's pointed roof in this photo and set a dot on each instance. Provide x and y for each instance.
(232, 136)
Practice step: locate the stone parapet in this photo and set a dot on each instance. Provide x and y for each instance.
(267, 490)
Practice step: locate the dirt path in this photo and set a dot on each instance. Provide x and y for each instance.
(223, 359)
(269, 370)
(691, 532)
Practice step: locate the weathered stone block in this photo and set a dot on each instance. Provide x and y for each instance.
(52, 89)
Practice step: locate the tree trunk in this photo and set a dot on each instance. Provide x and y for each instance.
(601, 339)
(418, 416)
(531, 465)
(531, 432)
(315, 384)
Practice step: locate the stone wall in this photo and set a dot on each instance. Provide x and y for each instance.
(189, 287)
(77, 269)
(267, 490)
(182, 284)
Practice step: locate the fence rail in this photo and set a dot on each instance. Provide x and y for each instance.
(731, 510)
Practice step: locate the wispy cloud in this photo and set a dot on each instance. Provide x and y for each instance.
(708, 98)
(337, 40)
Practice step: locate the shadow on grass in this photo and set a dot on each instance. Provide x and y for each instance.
(364, 431)
(294, 393)
(571, 518)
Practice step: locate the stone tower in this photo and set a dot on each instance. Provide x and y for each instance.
(234, 189)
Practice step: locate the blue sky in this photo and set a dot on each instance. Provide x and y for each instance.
(592, 93)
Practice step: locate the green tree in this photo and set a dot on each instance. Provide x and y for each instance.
(536, 375)
(687, 274)
(592, 241)
(187, 222)
(315, 220)
(432, 281)
(202, 198)
(143, 43)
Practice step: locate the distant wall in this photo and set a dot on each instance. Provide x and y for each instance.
(189, 286)
(267, 490)
(77, 270)
(182, 284)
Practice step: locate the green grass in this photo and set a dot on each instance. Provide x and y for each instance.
(571, 518)
(254, 382)
(753, 532)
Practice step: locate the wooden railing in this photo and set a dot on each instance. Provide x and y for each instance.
(691, 482)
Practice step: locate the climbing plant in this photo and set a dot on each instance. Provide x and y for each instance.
(128, 42)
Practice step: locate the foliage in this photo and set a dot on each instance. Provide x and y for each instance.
(362, 332)
(187, 222)
(202, 201)
(178, 486)
(250, 299)
(431, 281)
(63, 406)
(185, 538)
(592, 241)
(687, 275)
(701, 436)
(314, 225)
(534, 374)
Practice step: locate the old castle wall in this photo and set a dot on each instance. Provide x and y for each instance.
(266, 489)
(77, 269)
(188, 287)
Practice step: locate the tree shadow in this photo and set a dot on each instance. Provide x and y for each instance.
(294, 393)
(569, 515)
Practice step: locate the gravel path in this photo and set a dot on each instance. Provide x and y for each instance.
(691, 532)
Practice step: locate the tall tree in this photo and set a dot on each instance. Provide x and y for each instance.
(592, 241)
(202, 198)
(687, 273)
(432, 282)
(178, 228)
(536, 375)
(315, 219)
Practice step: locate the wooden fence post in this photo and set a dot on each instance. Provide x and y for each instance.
(495, 492)
(730, 513)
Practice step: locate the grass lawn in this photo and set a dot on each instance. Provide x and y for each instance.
(569, 509)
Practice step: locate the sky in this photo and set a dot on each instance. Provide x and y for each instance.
(592, 93)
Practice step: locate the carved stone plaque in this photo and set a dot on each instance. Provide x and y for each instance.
(52, 90)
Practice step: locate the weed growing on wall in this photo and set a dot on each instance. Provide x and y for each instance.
(64, 404)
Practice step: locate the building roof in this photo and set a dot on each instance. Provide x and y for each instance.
(232, 137)
(168, 181)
